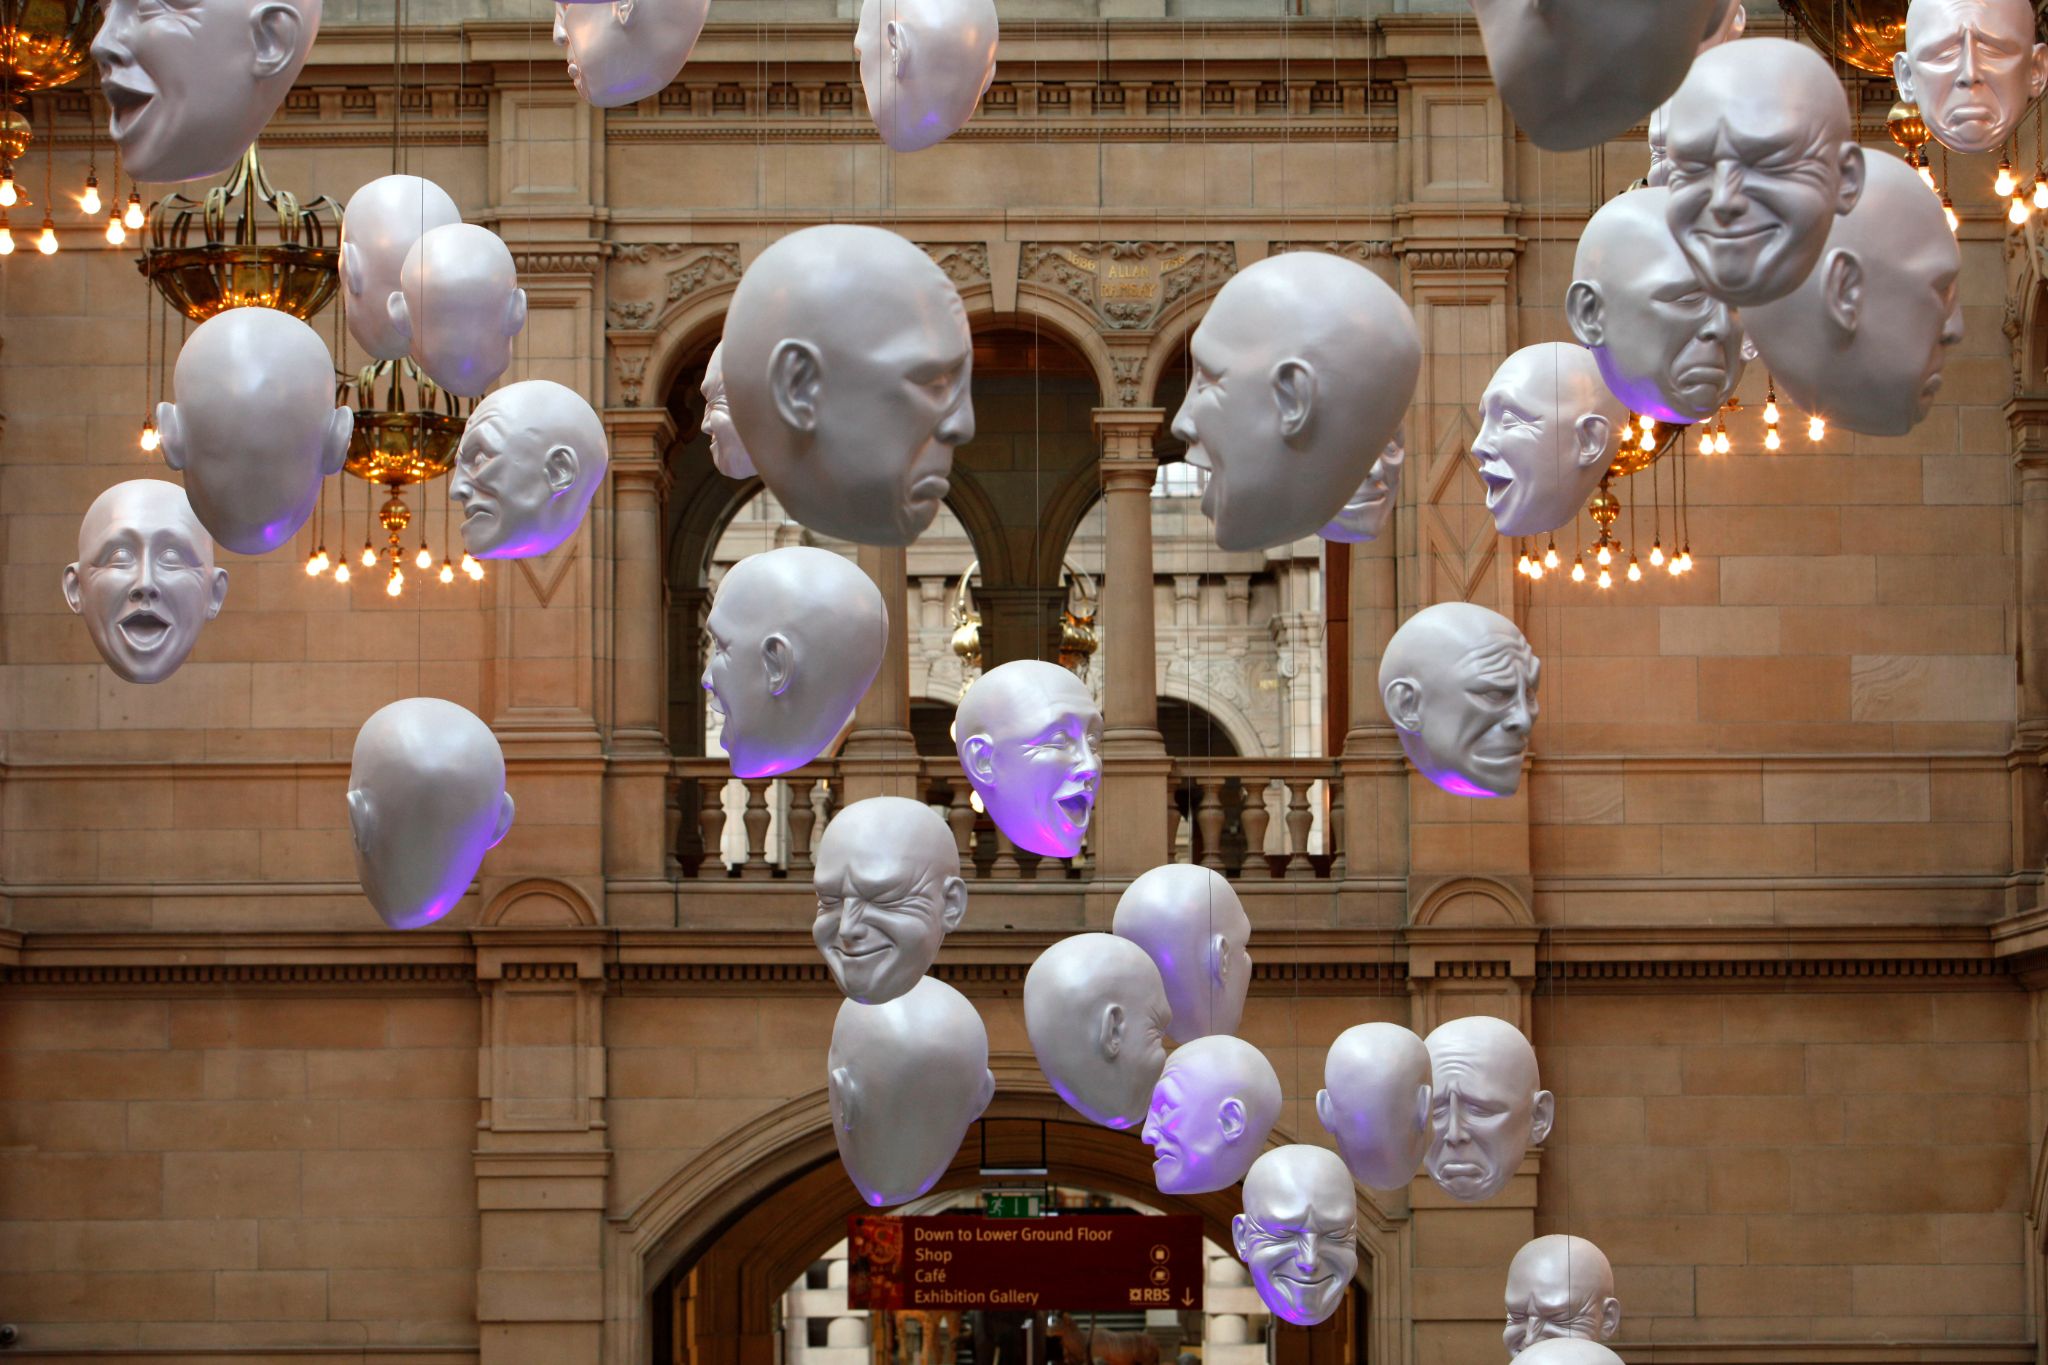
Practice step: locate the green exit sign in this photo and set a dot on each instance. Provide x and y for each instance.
(1011, 1203)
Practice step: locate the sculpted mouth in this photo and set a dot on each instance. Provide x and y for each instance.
(126, 101)
(472, 511)
(1077, 807)
(1498, 480)
(855, 954)
(930, 488)
(144, 629)
(1737, 234)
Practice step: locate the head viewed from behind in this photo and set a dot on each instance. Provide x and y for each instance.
(1575, 73)
(458, 305)
(905, 1080)
(1097, 1017)
(1375, 1102)
(1192, 925)
(384, 219)
(924, 65)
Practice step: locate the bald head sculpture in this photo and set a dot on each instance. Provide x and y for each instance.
(1298, 1234)
(531, 458)
(1559, 1286)
(889, 891)
(144, 579)
(1211, 1110)
(1973, 67)
(627, 50)
(1547, 433)
(728, 453)
(1192, 925)
(1575, 73)
(458, 305)
(1487, 1106)
(1375, 1102)
(1459, 685)
(905, 1079)
(1097, 1017)
(1029, 738)
(924, 66)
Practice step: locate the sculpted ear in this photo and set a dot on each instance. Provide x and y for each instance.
(71, 598)
(559, 467)
(334, 446)
(1230, 1120)
(1852, 178)
(1541, 1117)
(987, 1092)
(844, 1091)
(217, 593)
(2037, 71)
(1841, 289)
(169, 435)
(898, 39)
(1594, 430)
(1326, 1112)
(622, 10)
(276, 29)
(1610, 1317)
(1238, 1240)
(1403, 700)
(1294, 390)
(796, 375)
(1422, 1108)
(351, 268)
(515, 313)
(399, 316)
(1109, 1031)
(952, 904)
(980, 758)
(1584, 313)
(1902, 76)
(779, 660)
(504, 825)
(361, 820)
(1219, 959)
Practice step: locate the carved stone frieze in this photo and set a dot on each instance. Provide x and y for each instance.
(1129, 371)
(632, 369)
(1127, 285)
(965, 263)
(685, 267)
(1364, 252)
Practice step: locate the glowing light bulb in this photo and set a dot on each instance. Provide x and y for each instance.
(369, 556)
(1647, 423)
(1948, 211)
(1648, 441)
(1604, 555)
(149, 437)
(1685, 560)
(1536, 571)
(1606, 579)
(1674, 568)
(46, 240)
(395, 584)
(1815, 428)
(341, 574)
(116, 234)
(89, 202)
(1550, 556)
(447, 574)
(1522, 564)
(2040, 190)
(2018, 211)
(423, 559)
(1635, 570)
(1706, 441)
(1771, 441)
(2004, 184)
(471, 567)
(1656, 553)
(1578, 569)
(321, 558)
(1926, 172)
(974, 800)
(132, 215)
(312, 566)
(1771, 413)
(1721, 443)
(9, 196)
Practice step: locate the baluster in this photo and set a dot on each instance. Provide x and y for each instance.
(1255, 819)
(711, 825)
(1172, 828)
(672, 830)
(756, 821)
(1006, 865)
(1209, 822)
(803, 818)
(960, 816)
(1298, 821)
(1333, 828)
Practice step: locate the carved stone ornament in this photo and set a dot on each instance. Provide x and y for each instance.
(1127, 285)
(689, 267)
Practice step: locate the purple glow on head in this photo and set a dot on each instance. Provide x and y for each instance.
(1458, 786)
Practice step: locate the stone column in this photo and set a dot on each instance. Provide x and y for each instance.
(2028, 416)
(879, 757)
(1130, 813)
(1019, 623)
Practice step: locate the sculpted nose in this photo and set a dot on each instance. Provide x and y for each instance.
(851, 923)
(1728, 203)
(1454, 1123)
(459, 486)
(958, 427)
(1952, 326)
(1968, 72)
(1519, 717)
(1305, 1252)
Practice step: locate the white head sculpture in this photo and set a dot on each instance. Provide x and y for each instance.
(1863, 341)
(384, 219)
(1365, 514)
(1559, 1286)
(728, 452)
(1097, 1016)
(1575, 73)
(1756, 181)
(889, 891)
(797, 635)
(627, 50)
(1375, 1103)
(1029, 737)
(1486, 1106)
(848, 369)
(532, 456)
(1665, 346)
(906, 1079)
(1568, 1351)
(1298, 1234)
(254, 428)
(1459, 684)
(144, 580)
(924, 65)
(426, 801)
(192, 82)
(1211, 1110)
(1973, 67)
(1302, 369)
(1547, 431)
(458, 305)
(1194, 928)
(1658, 138)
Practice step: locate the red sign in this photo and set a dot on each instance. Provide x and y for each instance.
(1090, 1263)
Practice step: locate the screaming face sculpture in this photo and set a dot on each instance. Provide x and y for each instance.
(906, 1079)
(1298, 1234)
(924, 65)
(1097, 1017)
(384, 219)
(426, 801)
(727, 452)
(629, 49)
(1364, 517)
(532, 455)
(848, 374)
(144, 580)
(1664, 345)
(1302, 370)
(1029, 738)
(1863, 341)
(458, 305)
(1194, 928)
(1546, 436)
(1459, 684)
(1559, 1286)
(1375, 1102)
(192, 82)
(1210, 1113)
(796, 636)
(1973, 67)
(889, 891)
(1485, 1108)
(1755, 183)
(254, 427)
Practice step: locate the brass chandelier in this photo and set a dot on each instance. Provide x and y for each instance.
(245, 244)
(1079, 639)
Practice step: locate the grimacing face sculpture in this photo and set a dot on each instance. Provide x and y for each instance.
(1973, 67)
(426, 801)
(627, 50)
(796, 637)
(728, 452)
(1486, 1107)
(924, 65)
(889, 891)
(1097, 1016)
(144, 580)
(458, 305)
(1864, 340)
(190, 83)
(254, 428)
(847, 364)
(1559, 1286)
(905, 1080)
(532, 456)
(1029, 738)
(1547, 428)
(384, 219)
(1459, 684)
(1375, 1103)
(1301, 372)
(1755, 182)
(1298, 1234)
(1365, 514)
(1211, 1110)
(1664, 345)
(1192, 925)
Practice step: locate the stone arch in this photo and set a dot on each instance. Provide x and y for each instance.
(1236, 722)
(538, 903)
(683, 330)
(1068, 322)
(1472, 902)
(1169, 338)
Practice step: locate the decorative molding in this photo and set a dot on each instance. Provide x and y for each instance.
(1127, 285)
(1129, 371)
(244, 974)
(546, 573)
(1364, 252)
(632, 370)
(1450, 259)
(576, 261)
(964, 263)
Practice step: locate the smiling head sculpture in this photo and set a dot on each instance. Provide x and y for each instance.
(1547, 430)
(458, 305)
(144, 580)
(426, 801)
(905, 1080)
(848, 365)
(384, 219)
(1486, 1106)
(889, 891)
(1375, 1102)
(1097, 1017)
(1459, 684)
(1192, 925)
(1864, 340)
(1298, 1234)
(1973, 67)
(627, 50)
(796, 637)
(1365, 514)
(532, 456)
(728, 452)
(190, 83)
(1211, 1110)
(1559, 1286)
(924, 65)
(1575, 73)
(1029, 738)
(1664, 345)
(254, 428)
(1302, 369)
(1756, 181)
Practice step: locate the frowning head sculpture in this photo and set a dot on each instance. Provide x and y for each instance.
(383, 221)
(458, 305)
(627, 50)
(1365, 514)
(905, 1080)
(1547, 432)
(1973, 67)
(728, 452)
(1029, 738)
(1192, 925)
(531, 458)
(1211, 1110)
(1097, 1017)
(924, 65)
(1459, 684)
(889, 891)
(1375, 1102)
(1559, 1286)
(145, 580)
(1298, 1234)
(1487, 1107)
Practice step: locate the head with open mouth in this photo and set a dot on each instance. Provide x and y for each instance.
(889, 891)
(1192, 925)
(1211, 1110)
(1096, 1013)
(848, 368)
(1559, 1286)
(1298, 1234)
(1375, 1102)
(924, 66)
(728, 452)
(532, 456)
(1365, 515)
(629, 49)
(1547, 432)
(1486, 1108)
(1973, 67)
(1459, 685)
(1029, 737)
(145, 580)
(904, 1080)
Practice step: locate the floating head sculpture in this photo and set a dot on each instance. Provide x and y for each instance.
(924, 65)
(1097, 1017)
(1459, 684)
(889, 891)
(1575, 73)
(1029, 737)
(1375, 1103)
(905, 1080)
(1973, 67)
(458, 305)
(144, 580)
(532, 456)
(1568, 1351)
(384, 219)
(728, 452)
(1211, 1110)
(627, 50)
(1547, 432)
(1365, 514)
(1559, 1286)
(1486, 1106)
(1192, 925)
(1298, 1234)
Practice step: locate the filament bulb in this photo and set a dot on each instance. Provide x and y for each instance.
(1706, 441)
(1948, 211)
(1685, 559)
(1635, 570)
(1656, 553)
(1604, 555)
(132, 215)
(320, 558)
(447, 574)
(2004, 184)
(341, 573)
(1721, 442)
(89, 202)
(395, 584)
(471, 567)
(9, 196)
(1606, 579)
(2040, 190)
(116, 234)
(1771, 441)
(1649, 439)
(46, 240)
(1522, 564)
(423, 559)
(2018, 211)
(1771, 413)
(312, 566)
(1816, 428)
(1578, 569)
(1535, 571)
(150, 439)
(369, 556)
(1550, 556)
(1674, 568)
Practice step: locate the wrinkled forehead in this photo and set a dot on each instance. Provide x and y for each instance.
(1804, 116)
(1499, 654)
(1288, 1199)
(1934, 21)
(1488, 1063)
(146, 508)
(875, 855)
